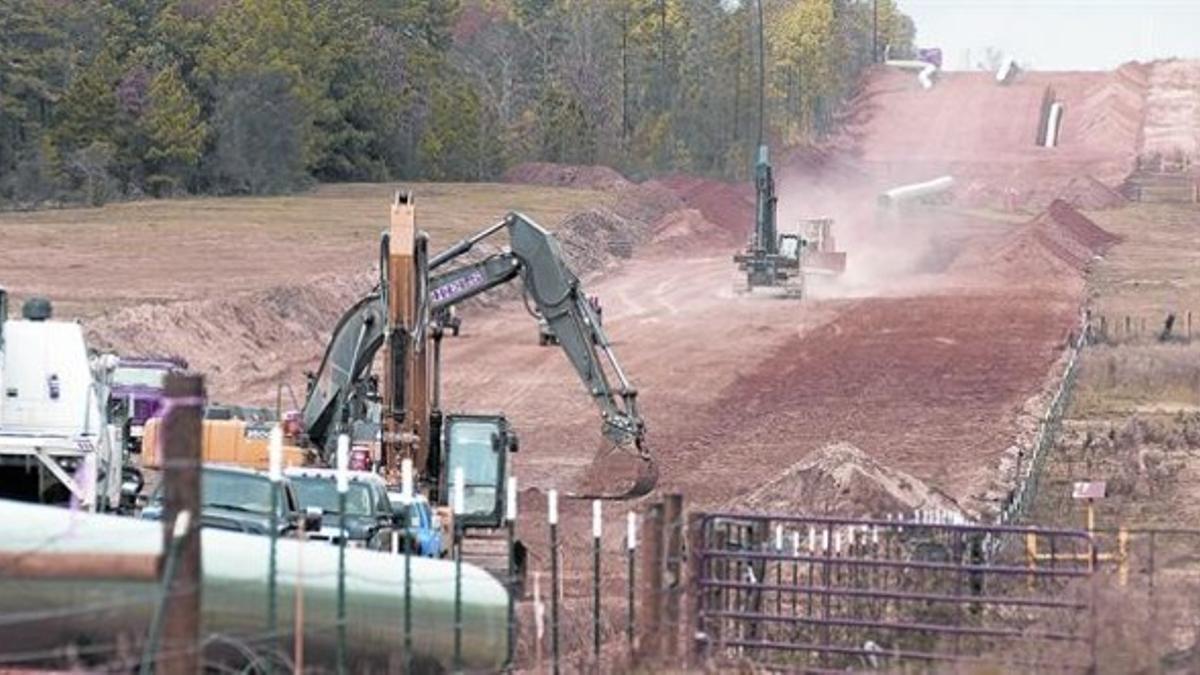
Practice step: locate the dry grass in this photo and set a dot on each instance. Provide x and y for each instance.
(1125, 379)
(91, 260)
(1156, 269)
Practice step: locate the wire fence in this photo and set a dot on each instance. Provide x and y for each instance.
(1157, 328)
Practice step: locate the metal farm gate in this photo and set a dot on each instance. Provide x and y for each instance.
(815, 594)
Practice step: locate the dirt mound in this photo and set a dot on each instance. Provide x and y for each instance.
(646, 202)
(593, 237)
(686, 227)
(566, 175)
(729, 206)
(1059, 241)
(840, 479)
(246, 345)
(1172, 125)
(1085, 192)
(1112, 111)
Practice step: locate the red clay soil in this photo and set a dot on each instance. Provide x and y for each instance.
(729, 206)
(986, 134)
(1058, 242)
(1085, 192)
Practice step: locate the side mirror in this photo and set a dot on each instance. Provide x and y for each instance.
(513, 443)
(312, 519)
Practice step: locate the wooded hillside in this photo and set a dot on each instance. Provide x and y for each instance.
(122, 98)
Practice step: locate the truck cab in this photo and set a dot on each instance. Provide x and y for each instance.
(480, 444)
(56, 443)
(136, 394)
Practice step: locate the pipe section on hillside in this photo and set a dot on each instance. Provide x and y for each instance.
(56, 613)
(1008, 70)
(925, 70)
(914, 191)
(1053, 124)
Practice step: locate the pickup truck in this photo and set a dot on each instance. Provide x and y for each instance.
(370, 522)
(239, 499)
(424, 527)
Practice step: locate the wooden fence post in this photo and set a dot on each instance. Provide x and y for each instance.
(695, 640)
(673, 586)
(181, 426)
(653, 554)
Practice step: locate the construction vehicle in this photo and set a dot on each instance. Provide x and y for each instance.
(404, 411)
(780, 260)
(56, 442)
(226, 438)
(773, 259)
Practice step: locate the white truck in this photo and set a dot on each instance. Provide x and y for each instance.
(56, 444)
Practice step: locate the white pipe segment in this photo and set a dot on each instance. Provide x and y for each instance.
(1052, 124)
(1006, 69)
(915, 190)
(925, 70)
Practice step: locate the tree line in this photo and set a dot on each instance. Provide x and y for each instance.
(104, 99)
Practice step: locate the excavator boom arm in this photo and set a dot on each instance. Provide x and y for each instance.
(535, 255)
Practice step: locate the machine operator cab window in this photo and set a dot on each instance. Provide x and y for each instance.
(479, 446)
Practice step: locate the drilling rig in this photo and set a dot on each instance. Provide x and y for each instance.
(773, 259)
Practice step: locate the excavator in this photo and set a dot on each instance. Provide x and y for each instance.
(399, 321)
(773, 259)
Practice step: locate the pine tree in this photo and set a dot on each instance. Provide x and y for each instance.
(175, 130)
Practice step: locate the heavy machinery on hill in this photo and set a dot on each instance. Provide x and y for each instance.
(404, 410)
(780, 260)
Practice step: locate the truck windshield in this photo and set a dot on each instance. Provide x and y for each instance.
(236, 491)
(471, 448)
(139, 377)
(322, 493)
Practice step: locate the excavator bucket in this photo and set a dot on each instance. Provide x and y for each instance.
(614, 461)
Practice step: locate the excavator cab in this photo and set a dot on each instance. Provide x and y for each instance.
(480, 444)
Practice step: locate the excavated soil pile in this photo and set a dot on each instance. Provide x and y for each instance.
(1173, 110)
(1085, 192)
(1112, 111)
(686, 229)
(729, 206)
(594, 237)
(566, 175)
(1060, 241)
(841, 479)
(244, 344)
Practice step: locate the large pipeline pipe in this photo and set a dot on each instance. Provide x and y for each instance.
(925, 70)
(907, 193)
(95, 616)
(1053, 123)
(1008, 70)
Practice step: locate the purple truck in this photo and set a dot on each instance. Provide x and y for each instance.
(931, 55)
(137, 393)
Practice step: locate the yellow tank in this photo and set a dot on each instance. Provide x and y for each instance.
(226, 442)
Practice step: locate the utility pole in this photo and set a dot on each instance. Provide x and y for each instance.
(874, 31)
(182, 415)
